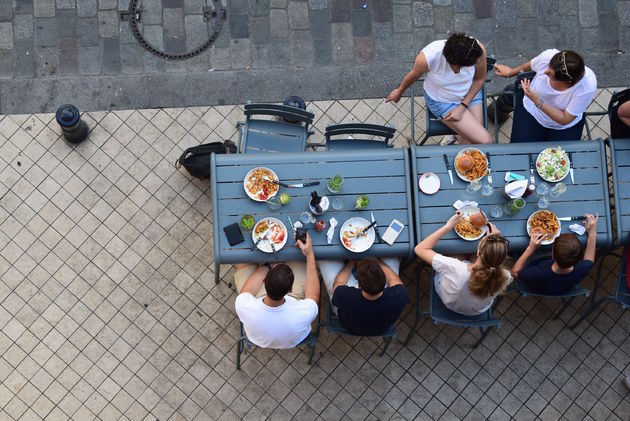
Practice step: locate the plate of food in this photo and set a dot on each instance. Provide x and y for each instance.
(545, 222)
(471, 164)
(473, 227)
(258, 184)
(348, 233)
(274, 231)
(552, 164)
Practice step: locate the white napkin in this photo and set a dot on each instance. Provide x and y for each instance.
(461, 203)
(297, 224)
(577, 228)
(516, 188)
(331, 230)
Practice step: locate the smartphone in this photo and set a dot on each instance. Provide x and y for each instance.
(300, 234)
(393, 231)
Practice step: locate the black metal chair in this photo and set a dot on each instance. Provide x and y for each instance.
(565, 297)
(618, 129)
(287, 133)
(440, 314)
(343, 137)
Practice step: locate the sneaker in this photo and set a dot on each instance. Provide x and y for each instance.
(448, 140)
(627, 382)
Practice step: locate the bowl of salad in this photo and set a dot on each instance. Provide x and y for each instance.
(552, 164)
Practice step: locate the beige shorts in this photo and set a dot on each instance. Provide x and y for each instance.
(299, 279)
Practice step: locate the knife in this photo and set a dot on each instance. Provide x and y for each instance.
(310, 183)
(364, 230)
(378, 234)
(273, 248)
(261, 237)
(570, 218)
(531, 170)
(571, 167)
(489, 169)
(448, 168)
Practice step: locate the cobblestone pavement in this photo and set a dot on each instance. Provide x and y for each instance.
(108, 308)
(55, 51)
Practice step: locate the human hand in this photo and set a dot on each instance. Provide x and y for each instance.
(502, 70)
(455, 219)
(394, 96)
(307, 247)
(535, 240)
(493, 229)
(527, 90)
(590, 223)
(455, 114)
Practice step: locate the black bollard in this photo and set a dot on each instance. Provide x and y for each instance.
(295, 102)
(504, 105)
(74, 129)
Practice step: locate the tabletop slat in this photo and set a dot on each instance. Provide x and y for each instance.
(620, 159)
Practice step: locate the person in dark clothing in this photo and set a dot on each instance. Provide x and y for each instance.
(565, 268)
(369, 299)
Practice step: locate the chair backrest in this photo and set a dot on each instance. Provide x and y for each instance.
(575, 292)
(618, 130)
(337, 135)
(333, 325)
(282, 111)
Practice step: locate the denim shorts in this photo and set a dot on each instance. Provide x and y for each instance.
(440, 109)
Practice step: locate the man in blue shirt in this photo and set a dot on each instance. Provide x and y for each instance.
(368, 294)
(565, 268)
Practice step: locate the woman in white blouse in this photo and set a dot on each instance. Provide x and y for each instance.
(467, 287)
(555, 99)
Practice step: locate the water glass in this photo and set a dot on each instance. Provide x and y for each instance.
(337, 203)
(274, 203)
(335, 183)
(558, 190)
(247, 222)
(306, 217)
(543, 202)
(487, 189)
(473, 186)
(361, 202)
(542, 189)
(496, 211)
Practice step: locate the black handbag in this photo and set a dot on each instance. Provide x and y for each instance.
(196, 159)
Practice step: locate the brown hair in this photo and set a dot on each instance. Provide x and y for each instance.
(370, 276)
(567, 66)
(278, 281)
(489, 278)
(567, 250)
(462, 50)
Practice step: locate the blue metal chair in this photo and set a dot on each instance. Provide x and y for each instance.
(310, 341)
(333, 325)
(621, 296)
(274, 135)
(565, 297)
(337, 136)
(440, 314)
(434, 126)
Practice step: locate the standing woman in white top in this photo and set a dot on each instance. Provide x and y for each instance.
(467, 287)
(455, 73)
(555, 99)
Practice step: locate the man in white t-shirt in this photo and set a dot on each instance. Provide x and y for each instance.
(275, 319)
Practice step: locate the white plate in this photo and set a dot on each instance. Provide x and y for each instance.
(460, 153)
(429, 183)
(567, 165)
(467, 211)
(545, 242)
(247, 181)
(265, 245)
(361, 244)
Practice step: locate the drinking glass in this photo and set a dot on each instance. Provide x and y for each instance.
(361, 202)
(542, 189)
(514, 206)
(274, 203)
(558, 190)
(306, 217)
(543, 202)
(473, 186)
(335, 183)
(247, 222)
(337, 203)
(496, 211)
(486, 189)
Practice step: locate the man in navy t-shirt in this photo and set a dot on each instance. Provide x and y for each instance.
(566, 267)
(358, 289)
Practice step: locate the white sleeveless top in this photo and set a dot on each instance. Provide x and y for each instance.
(441, 82)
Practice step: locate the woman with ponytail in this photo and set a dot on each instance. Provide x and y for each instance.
(467, 287)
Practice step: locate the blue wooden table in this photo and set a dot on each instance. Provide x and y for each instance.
(620, 160)
(588, 194)
(381, 174)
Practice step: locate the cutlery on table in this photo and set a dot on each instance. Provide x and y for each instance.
(378, 234)
(273, 248)
(532, 180)
(571, 167)
(291, 223)
(489, 169)
(364, 230)
(293, 186)
(262, 237)
(448, 169)
(570, 218)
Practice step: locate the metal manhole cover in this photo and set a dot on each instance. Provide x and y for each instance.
(175, 29)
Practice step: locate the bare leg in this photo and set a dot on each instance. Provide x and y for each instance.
(624, 113)
(470, 128)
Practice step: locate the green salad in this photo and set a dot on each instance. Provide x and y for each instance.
(552, 164)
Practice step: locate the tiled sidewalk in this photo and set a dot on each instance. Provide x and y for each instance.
(108, 308)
